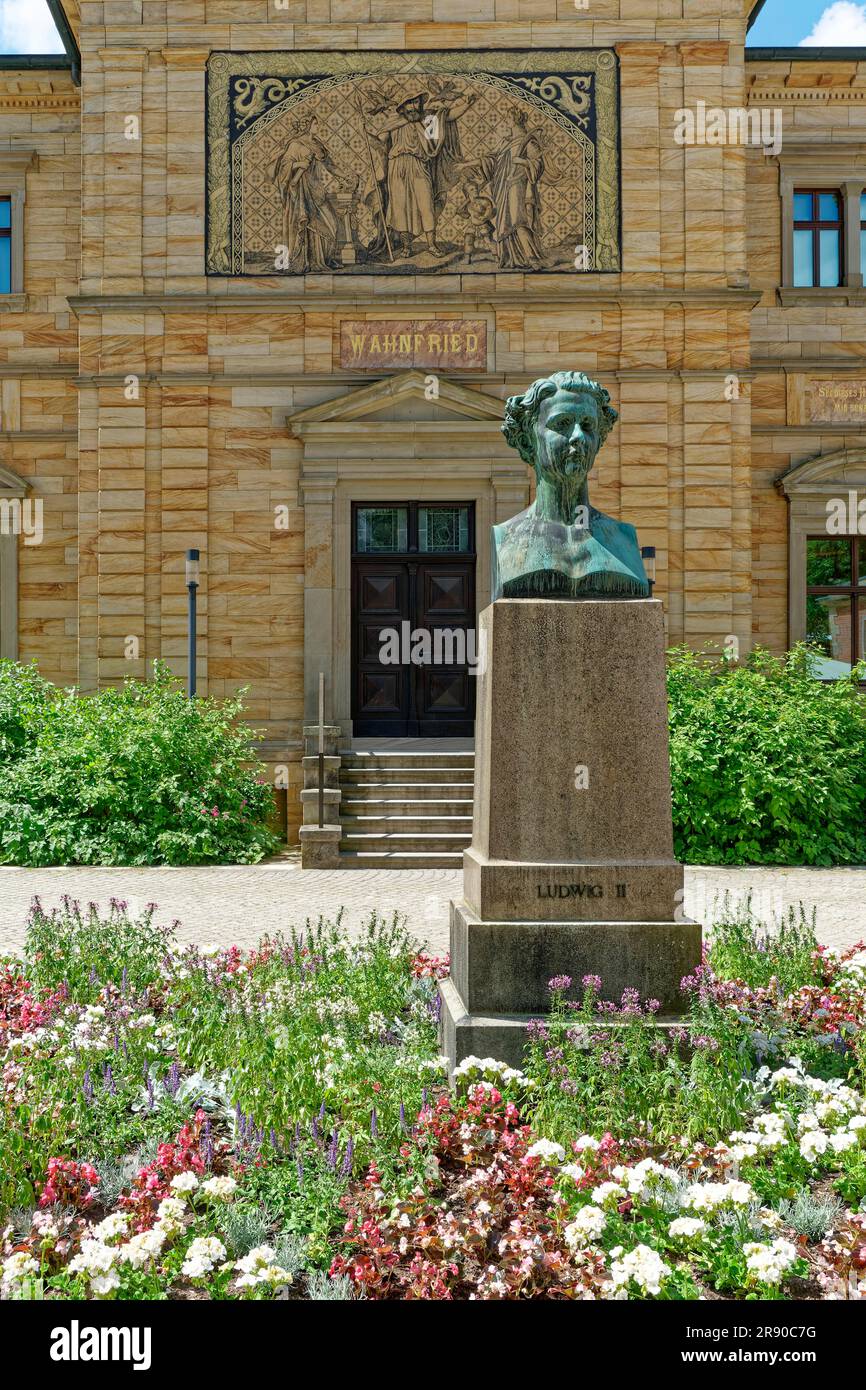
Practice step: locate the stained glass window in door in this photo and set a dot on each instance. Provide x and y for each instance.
(443, 530)
(382, 530)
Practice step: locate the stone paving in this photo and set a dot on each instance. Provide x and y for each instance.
(239, 903)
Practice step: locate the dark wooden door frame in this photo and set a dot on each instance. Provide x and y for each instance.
(414, 567)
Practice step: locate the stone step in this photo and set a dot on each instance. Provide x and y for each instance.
(405, 775)
(435, 841)
(406, 806)
(466, 760)
(386, 824)
(399, 859)
(407, 791)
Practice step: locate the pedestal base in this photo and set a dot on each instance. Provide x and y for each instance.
(504, 967)
(463, 1034)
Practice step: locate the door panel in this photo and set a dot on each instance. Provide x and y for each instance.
(396, 596)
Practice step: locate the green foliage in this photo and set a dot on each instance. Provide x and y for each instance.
(741, 948)
(135, 775)
(768, 764)
(594, 1069)
(85, 951)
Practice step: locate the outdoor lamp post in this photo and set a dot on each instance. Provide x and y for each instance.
(648, 555)
(192, 577)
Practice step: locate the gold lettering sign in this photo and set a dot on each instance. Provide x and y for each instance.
(842, 402)
(373, 344)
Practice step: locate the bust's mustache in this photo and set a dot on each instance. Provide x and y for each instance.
(577, 458)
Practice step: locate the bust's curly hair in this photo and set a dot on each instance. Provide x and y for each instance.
(521, 412)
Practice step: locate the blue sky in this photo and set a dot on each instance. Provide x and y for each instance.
(26, 26)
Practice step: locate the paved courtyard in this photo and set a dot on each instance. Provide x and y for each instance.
(241, 902)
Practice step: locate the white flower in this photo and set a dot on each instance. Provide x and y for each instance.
(142, 1248)
(219, 1189)
(18, 1268)
(585, 1141)
(787, 1076)
(645, 1176)
(588, 1224)
(607, 1191)
(769, 1218)
(708, 1196)
(202, 1255)
(687, 1226)
(184, 1182)
(113, 1226)
(813, 1143)
(258, 1268)
(102, 1285)
(840, 1143)
(572, 1170)
(642, 1266)
(93, 1258)
(546, 1149)
(770, 1263)
(171, 1209)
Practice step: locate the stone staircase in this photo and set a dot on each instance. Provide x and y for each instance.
(405, 810)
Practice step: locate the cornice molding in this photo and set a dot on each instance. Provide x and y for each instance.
(297, 301)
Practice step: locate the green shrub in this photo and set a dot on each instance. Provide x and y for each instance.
(742, 948)
(768, 765)
(135, 775)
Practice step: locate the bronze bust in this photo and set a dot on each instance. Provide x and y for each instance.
(560, 546)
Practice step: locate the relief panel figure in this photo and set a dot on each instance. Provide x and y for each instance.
(310, 221)
(387, 163)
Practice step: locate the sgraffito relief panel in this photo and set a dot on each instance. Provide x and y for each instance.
(400, 163)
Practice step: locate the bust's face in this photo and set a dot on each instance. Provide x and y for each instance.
(567, 435)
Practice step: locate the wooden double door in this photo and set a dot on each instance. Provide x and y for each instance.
(413, 620)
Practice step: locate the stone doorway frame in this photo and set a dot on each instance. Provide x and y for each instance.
(808, 486)
(12, 488)
(381, 443)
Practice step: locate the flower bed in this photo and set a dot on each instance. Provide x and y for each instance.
(189, 1124)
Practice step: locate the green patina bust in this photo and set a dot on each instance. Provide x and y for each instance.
(561, 547)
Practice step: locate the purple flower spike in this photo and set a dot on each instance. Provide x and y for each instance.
(559, 984)
(87, 1087)
(374, 1124)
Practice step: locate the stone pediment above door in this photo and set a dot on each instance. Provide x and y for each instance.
(400, 418)
(411, 396)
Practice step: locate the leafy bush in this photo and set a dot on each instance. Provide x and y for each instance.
(136, 775)
(768, 765)
(742, 948)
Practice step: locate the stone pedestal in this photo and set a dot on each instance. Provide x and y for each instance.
(571, 869)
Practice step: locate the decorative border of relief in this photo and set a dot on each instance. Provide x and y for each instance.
(222, 67)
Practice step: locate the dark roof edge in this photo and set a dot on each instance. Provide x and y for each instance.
(756, 10)
(805, 55)
(55, 61)
(58, 14)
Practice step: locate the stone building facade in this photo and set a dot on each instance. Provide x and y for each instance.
(163, 387)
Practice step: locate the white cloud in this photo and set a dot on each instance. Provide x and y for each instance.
(26, 26)
(841, 25)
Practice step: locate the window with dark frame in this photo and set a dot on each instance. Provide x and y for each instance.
(836, 601)
(817, 237)
(5, 245)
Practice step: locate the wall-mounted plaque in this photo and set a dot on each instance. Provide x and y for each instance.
(842, 401)
(403, 163)
(367, 344)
